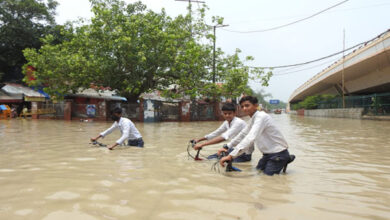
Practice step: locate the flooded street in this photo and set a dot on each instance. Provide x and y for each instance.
(48, 170)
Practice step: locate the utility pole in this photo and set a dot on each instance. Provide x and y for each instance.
(342, 73)
(215, 37)
(189, 9)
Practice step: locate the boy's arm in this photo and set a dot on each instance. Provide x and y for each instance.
(213, 137)
(215, 140)
(200, 139)
(234, 130)
(230, 132)
(217, 132)
(112, 146)
(125, 133)
(95, 138)
(104, 133)
(109, 131)
(124, 137)
(236, 140)
(256, 128)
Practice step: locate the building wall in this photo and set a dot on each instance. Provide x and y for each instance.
(80, 105)
(144, 111)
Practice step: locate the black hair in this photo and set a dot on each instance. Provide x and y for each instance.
(249, 98)
(117, 110)
(229, 107)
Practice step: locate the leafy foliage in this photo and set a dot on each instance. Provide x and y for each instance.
(236, 75)
(134, 50)
(312, 102)
(22, 24)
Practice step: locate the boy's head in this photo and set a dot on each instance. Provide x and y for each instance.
(116, 114)
(249, 104)
(229, 111)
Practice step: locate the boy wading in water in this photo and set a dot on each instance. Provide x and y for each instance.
(127, 128)
(263, 133)
(227, 131)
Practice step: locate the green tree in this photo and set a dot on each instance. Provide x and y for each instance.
(134, 50)
(125, 47)
(313, 102)
(235, 75)
(22, 24)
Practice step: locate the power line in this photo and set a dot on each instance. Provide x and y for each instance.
(189, 1)
(190, 10)
(312, 67)
(362, 7)
(308, 62)
(319, 59)
(297, 16)
(288, 24)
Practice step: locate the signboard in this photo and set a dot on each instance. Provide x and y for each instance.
(274, 101)
(34, 99)
(91, 110)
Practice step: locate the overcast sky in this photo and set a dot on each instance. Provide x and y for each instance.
(307, 40)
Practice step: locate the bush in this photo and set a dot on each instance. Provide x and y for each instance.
(312, 102)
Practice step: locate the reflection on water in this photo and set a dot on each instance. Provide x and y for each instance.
(48, 171)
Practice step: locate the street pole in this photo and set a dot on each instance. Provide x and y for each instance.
(342, 73)
(214, 27)
(189, 9)
(215, 37)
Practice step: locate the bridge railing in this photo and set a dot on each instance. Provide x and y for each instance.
(374, 104)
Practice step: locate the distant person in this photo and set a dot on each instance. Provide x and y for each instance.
(25, 111)
(228, 130)
(263, 133)
(127, 128)
(14, 113)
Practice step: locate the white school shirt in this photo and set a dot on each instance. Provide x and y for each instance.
(228, 131)
(127, 128)
(261, 132)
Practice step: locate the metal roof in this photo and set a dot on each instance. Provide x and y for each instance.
(5, 97)
(156, 95)
(101, 94)
(17, 89)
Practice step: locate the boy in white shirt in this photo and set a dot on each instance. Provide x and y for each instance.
(263, 133)
(128, 130)
(227, 131)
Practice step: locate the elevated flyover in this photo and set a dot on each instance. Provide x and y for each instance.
(366, 71)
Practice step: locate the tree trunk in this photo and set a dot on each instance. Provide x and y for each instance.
(132, 98)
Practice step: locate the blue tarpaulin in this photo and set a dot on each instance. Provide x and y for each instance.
(2, 107)
(40, 90)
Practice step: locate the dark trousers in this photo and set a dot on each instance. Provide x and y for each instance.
(272, 164)
(242, 158)
(136, 142)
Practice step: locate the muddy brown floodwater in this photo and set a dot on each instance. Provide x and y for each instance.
(48, 170)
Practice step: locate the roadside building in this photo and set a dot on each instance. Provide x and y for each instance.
(90, 104)
(10, 99)
(30, 98)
